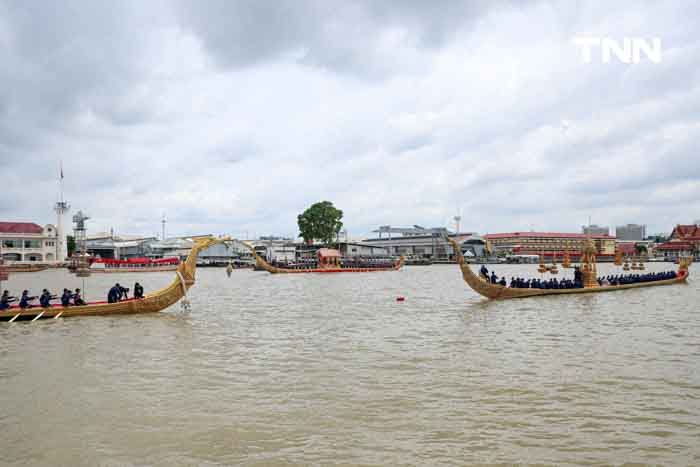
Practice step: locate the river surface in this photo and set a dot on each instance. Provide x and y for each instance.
(330, 369)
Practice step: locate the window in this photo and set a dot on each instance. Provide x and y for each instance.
(50, 244)
(32, 244)
(11, 243)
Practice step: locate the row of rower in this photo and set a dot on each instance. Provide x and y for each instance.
(68, 298)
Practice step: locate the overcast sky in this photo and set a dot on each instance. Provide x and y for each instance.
(234, 116)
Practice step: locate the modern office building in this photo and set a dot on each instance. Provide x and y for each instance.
(22, 242)
(548, 243)
(594, 229)
(631, 232)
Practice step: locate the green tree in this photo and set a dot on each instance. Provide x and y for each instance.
(321, 221)
(70, 244)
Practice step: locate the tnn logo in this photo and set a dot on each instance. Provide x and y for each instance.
(629, 50)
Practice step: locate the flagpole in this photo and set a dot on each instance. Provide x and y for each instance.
(61, 179)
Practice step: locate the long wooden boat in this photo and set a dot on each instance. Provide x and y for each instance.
(263, 264)
(151, 303)
(26, 268)
(496, 291)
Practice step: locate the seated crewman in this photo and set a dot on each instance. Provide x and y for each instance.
(25, 299)
(45, 299)
(138, 290)
(5, 300)
(65, 298)
(77, 299)
(114, 294)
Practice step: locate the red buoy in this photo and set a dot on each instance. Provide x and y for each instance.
(400, 298)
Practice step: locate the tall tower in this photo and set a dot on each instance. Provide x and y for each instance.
(457, 220)
(61, 208)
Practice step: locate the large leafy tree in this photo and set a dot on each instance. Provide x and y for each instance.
(70, 244)
(321, 222)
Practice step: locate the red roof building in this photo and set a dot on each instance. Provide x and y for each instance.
(686, 233)
(20, 228)
(684, 241)
(27, 242)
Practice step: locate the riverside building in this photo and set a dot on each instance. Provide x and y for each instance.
(425, 242)
(549, 243)
(27, 242)
(684, 241)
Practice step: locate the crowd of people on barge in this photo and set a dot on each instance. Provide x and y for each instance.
(576, 282)
(68, 298)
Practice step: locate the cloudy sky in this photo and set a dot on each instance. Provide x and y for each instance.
(233, 116)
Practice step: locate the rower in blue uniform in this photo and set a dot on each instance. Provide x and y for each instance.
(65, 298)
(25, 299)
(5, 300)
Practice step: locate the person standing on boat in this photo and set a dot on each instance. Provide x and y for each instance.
(138, 290)
(494, 278)
(484, 272)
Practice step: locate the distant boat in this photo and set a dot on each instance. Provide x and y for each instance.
(104, 265)
(26, 267)
(329, 261)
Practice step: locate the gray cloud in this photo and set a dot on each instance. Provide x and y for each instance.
(234, 116)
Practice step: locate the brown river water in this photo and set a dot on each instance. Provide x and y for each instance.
(331, 370)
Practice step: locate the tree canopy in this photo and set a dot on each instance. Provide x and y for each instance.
(321, 221)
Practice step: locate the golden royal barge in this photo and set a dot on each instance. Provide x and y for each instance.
(151, 303)
(328, 262)
(589, 273)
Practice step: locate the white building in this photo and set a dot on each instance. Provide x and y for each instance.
(27, 242)
(424, 242)
(179, 247)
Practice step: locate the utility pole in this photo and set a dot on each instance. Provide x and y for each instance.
(163, 222)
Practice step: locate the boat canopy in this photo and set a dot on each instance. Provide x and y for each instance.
(328, 253)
